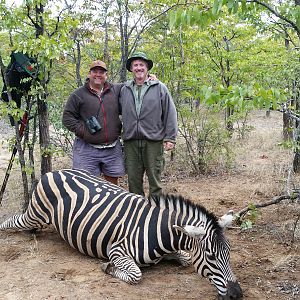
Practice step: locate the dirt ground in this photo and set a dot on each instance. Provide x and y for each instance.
(265, 259)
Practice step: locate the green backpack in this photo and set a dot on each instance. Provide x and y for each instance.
(21, 67)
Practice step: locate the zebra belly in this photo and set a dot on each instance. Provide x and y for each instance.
(86, 212)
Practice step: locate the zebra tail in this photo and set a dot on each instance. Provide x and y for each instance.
(20, 222)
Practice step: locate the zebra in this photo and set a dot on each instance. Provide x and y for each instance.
(105, 221)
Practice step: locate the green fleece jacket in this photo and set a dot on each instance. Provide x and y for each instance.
(157, 119)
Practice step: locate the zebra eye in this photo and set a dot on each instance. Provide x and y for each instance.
(211, 256)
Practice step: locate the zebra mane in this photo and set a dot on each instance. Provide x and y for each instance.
(177, 202)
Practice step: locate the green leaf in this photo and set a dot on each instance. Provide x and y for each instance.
(235, 6)
(183, 17)
(217, 6)
(172, 19)
(297, 16)
(247, 224)
(230, 4)
(244, 6)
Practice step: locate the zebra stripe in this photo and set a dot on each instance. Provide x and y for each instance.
(103, 220)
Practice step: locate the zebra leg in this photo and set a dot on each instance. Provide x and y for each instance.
(122, 266)
(184, 258)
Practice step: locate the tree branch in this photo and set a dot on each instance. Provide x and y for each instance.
(277, 14)
(150, 21)
(275, 200)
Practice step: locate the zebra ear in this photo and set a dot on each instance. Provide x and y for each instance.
(192, 231)
(227, 219)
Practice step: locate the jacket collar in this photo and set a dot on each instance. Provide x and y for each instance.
(106, 87)
(131, 83)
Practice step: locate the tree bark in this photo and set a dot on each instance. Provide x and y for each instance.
(296, 96)
(46, 164)
(123, 25)
(78, 63)
(105, 25)
(287, 127)
(226, 81)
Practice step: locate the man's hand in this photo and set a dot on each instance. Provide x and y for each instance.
(152, 77)
(168, 146)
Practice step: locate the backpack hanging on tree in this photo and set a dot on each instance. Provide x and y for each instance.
(20, 73)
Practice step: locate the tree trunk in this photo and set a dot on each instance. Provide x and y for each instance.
(287, 121)
(105, 25)
(287, 127)
(296, 101)
(31, 153)
(46, 164)
(296, 92)
(78, 63)
(226, 81)
(296, 163)
(123, 25)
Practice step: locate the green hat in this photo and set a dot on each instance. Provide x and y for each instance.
(139, 55)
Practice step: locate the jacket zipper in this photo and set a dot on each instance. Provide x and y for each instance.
(137, 116)
(104, 118)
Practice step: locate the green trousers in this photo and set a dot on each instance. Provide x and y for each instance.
(144, 156)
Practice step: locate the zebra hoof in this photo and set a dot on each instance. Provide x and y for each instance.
(104, 267)
(186, 263)
(185, 259)
(107, 268)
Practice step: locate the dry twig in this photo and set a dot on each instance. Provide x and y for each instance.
(275, 200)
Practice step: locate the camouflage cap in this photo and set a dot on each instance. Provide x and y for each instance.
(99, 64)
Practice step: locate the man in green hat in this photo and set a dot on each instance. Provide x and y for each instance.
(149, 125)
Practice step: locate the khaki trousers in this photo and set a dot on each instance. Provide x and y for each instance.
(144, 156)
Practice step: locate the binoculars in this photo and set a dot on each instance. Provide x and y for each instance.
(93, 125)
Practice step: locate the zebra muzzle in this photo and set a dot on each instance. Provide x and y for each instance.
(234, 292)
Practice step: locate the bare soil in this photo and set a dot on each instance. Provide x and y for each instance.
(265, 259)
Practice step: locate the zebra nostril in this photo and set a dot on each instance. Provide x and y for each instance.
(234, 291)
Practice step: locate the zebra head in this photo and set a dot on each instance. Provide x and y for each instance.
(210, 253)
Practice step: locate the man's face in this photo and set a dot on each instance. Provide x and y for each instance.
(97, 76)
(139, 68)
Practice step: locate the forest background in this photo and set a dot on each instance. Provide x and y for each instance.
(220, 60)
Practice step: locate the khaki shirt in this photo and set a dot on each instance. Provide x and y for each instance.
(139, 92)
